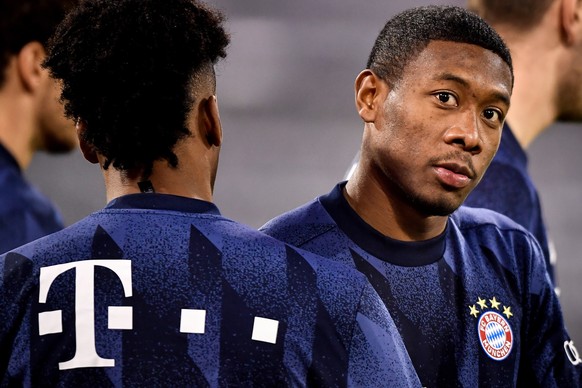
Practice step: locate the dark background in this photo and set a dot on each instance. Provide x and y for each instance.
(291, 128)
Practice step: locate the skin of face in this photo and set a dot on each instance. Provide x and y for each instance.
(440, 126)
(56, 133)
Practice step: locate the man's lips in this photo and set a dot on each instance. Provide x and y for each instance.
(458, 168)
(454, 174)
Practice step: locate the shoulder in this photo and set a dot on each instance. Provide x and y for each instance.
(17, 192)
(24, 218)
(469, 218)
(300, 225)
(503, 187)
(330, 271)
(311, 212)
(506, 186)
(495, 232)
(19, 197)
(501, 172)
(332, 276)
(466, 217)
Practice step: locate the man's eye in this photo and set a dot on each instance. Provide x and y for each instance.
(491, 114)
(446, 98)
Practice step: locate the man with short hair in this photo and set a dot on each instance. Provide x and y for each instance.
(31, 117)
(158, 289)
(467, 288)
(545, 38)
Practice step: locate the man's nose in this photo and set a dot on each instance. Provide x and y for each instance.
(465, 133)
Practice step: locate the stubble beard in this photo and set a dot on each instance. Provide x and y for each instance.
(440, 205)
(434, 207)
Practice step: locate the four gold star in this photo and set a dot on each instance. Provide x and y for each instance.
(474, 311)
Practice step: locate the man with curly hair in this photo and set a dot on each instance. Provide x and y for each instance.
(31, 117)
(467, 288)
(159, 289)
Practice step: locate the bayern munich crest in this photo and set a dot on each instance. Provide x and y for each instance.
(493, 328)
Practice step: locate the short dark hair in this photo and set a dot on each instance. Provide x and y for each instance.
(408, 33)
(128, 68)
(24, 21)
(519, 14)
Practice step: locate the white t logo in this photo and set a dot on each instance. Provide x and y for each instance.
(572, 353)
(120, 317)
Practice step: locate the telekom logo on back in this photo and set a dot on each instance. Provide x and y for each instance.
(192, 320)
(120, 317)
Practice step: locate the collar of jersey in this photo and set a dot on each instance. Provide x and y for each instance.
(153, 201)
(403, 253)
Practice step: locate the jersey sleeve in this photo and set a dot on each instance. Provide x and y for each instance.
(550, 358)
(377, 354)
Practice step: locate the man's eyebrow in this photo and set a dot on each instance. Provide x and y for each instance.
(452, 77)
(461, 81)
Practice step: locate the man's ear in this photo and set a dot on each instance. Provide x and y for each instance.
(370, 94)
(86, 148)
(210, 120)
(29, 61)
(571, 20)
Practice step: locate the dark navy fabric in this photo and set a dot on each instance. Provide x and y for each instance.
(160, 290)
(507, 188)
(475, 305)
(25, 214)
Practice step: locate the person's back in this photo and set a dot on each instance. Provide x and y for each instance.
(158, 288)
(31, 117)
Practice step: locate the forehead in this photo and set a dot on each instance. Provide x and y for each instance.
(475, 65)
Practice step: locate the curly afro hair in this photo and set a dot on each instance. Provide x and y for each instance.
(128, 68)
(409, 32)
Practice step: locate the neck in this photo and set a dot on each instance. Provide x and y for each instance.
(533, 106)
(17, 128)
(192, 178)
(387, 214)
(534, 101)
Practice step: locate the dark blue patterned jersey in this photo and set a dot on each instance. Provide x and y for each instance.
(25, 214)
(508, 189)
(159, 290)
(475, 306)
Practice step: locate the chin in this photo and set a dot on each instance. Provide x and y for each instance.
(60, 146)
(441, 207)
(444, 211)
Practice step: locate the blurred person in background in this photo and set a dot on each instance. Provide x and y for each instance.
(31, 117)
(545, 40)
